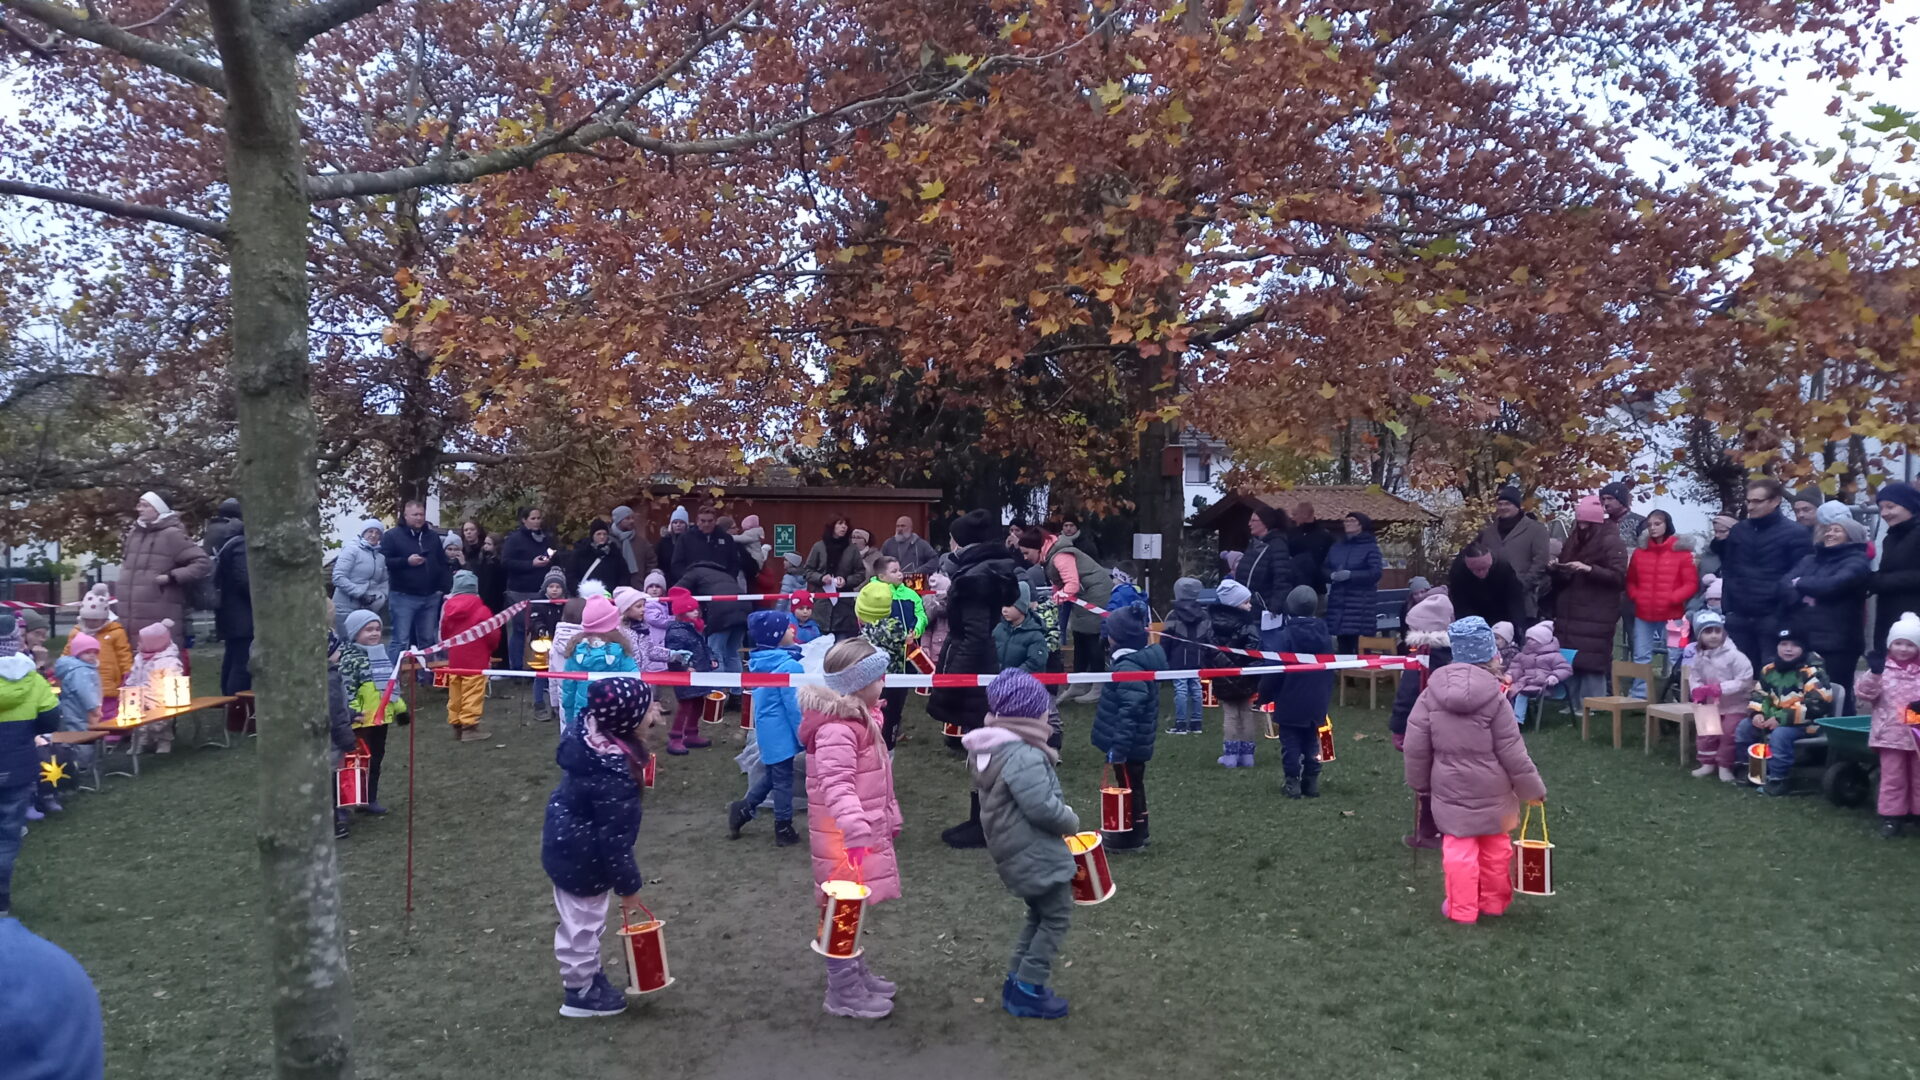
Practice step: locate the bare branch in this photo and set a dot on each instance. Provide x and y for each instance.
(576, 139)
(165, 15)
(117, 207)
(120, 40)
(303, 24)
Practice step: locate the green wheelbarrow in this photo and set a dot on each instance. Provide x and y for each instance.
(1852, 772)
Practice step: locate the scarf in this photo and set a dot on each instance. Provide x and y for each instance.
(379, 664)
(611, 720)
(624, 539)
(1033, 730)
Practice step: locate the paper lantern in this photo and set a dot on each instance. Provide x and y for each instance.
(923, 664)
(1533, 859)
(166, 690)
(441, 680)
(1207, 698)
(650, 770)
(646, 945)
(713, 707)
(846, 905)
(350, 779)
(746, 711)
(916, 582)
(951, 731)
(540, 646)
(1326, 741)
(1116, 801)
(1092, 878)
(1757, 756)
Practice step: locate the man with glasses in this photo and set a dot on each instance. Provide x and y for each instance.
(1755, 558)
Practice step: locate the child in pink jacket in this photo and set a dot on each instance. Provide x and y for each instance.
(852, 814)
(1536, 669)
(1895, 696)
(1464, 752)
(1720, 673)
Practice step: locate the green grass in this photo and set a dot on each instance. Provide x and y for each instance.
(1698, 932)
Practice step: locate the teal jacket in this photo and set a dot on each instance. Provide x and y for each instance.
(591, 656)
(1023, 646)
(776, 709)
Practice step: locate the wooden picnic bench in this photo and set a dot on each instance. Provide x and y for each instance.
(81, 738)
(125, 724)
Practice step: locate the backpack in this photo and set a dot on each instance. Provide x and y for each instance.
(204, 595)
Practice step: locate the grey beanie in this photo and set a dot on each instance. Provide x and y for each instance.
(1302, 601)
(1187, 588)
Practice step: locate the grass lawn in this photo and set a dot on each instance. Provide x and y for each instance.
(1699, 931)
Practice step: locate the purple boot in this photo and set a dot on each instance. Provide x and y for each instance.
(847, 994)
(874, 984)
(1230, 754)
(1246, 753)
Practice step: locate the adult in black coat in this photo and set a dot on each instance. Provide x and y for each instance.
(598, 558)
(1268, 568)
(705, 542)
(985, 579)
(524, 553)
(1828, 589)
(233, 619)
(1755, 558)
(1311, 541)
(1897, 582)
(1484, 584)
(224, 525)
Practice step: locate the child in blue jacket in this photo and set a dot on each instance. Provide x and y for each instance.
(600, 646)
(776, 726)
(586, 844)
(1128, 716)
(1300, 698)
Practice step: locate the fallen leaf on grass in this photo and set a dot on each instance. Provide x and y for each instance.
(979, 1001)
(1346, 813)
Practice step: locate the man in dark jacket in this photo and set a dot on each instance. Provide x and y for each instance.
(416, 565)
(1310, 544)
(985, 580)
(706, 543)
(1896, 583)
(726, 620)
(1481, 583)
(233, 619)
(1523, 543)
(916, 555)
(1756, 556)
(527, 552)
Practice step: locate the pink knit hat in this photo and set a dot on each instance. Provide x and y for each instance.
(156, 636)
(78, 643)
(600, 616)
(1589, 511)
(625, 597)
(751, 521)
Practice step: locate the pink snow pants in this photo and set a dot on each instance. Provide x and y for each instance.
(1478, 875)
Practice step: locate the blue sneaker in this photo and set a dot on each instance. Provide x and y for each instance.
(1034, 1002)
(597, 998)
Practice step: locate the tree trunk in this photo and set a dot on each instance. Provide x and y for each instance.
(309, 991)
(1158, 499)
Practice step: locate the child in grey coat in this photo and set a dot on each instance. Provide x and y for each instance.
(1026, 820)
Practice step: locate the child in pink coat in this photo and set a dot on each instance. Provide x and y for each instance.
(1721, 674)
(852, 814)
(1895, 696)
(1536, 669)
(1464, 752)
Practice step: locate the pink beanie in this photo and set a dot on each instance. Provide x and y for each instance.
(751, 521)
(625, 597)
(78, 643)
(600, 616)
(156, 636)
(1589, 511)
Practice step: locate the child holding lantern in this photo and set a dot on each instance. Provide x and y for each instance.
(1427, 623)
(1790, 696)
(852, 814)
(1466, 757)
(365, 669)
(1128, 715)
(1300, 698)
(1722, 676)
(776, 726)
(586, 843)
(1025, 818)
(1894, 694)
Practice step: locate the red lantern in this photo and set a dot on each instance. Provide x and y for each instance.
(350, 779)
(746, 711)
(650, 770)
(840, 919)
(1092, 878)
(1326, 741)
(923, 664)
(1757, 756)
(951, 731)
(1533, 859)
(713, 707)
(646, 944)
(1207, 698)
(440, 677)
(1116, 801)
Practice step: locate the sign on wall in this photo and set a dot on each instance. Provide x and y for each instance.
(786, 538)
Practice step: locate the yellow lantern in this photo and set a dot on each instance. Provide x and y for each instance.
(1757, 756)
(541, 646)
(1092, 878)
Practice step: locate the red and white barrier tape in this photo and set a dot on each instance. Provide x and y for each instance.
(727, 680)
(1257, 654)
(22, 605)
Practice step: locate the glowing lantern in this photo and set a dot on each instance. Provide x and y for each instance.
(441, 680)
(350, 779)
(1757, 756)
(1116, 801)
(1533, 859)
(646, 944)
(1207, 698)
(649, 771)
(166, 690)
(541, 646)
(1092, 878)
(1326, 741)
(846, 906)
(713, 707)
(746, 711)
(923, 664)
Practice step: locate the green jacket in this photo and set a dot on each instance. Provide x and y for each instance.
(1023, 646)
(1096, 584)
(1794, 696)
(1022, 811)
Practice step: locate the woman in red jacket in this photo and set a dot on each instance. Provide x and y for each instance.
(467, 694)
(1661, 578)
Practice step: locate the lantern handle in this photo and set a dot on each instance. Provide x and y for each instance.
(1107, 771)
(1526, 819)
(644, 910)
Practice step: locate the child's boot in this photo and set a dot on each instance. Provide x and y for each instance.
(783, 834)
(340, 827)
(847, 993)
(1028, 1001)
(1705, 770)
(1727, 775)
(1230, 754)
(738, 814)
(1246, 753)
(1310, 786)
(875, 984)
(1291, 789)
(1889, 828)
(693, 741)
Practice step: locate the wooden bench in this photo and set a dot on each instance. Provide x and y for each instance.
(124, 724)
(81, 738)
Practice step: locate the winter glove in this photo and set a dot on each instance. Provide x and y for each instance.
(680, 656)
(856, 856)
(1341, 575)
(1703, 695)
